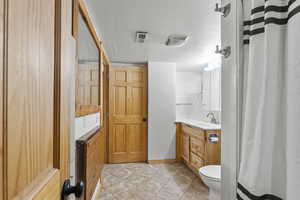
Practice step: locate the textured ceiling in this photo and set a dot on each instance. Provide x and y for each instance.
(118, 20)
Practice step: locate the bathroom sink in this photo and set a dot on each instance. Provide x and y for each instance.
(201, 124)
(206, 125)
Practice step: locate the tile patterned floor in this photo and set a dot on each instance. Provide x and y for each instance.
(141, 181)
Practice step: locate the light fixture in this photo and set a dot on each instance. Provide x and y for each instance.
(212, 65)
(177, 40)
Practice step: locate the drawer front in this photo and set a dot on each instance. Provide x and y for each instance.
(196, 132)
(196, 161)
(197, 146)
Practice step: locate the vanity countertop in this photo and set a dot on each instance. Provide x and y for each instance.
(200, 124)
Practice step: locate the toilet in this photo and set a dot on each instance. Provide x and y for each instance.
(211, 176)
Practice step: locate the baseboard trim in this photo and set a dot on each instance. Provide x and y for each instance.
(162, 161)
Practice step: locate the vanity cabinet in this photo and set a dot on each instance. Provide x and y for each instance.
(199, 147)
(185, 143)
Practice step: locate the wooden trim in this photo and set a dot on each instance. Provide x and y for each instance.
(52, 188)
(178, 141)
(106, 107)
(83, 110)
(67, 61)
(37, 186)
(75, 12)
(88, 135)
(101, 87)
(57, 69)
(85, 15)
(162, 161)
(104, 53)
(89, 163)
(3, 100)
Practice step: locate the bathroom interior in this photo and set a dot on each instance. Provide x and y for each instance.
(178, 98)
(149, 100)
(167, 98)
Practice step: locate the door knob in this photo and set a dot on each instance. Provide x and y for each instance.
(68, 189)
(144, 119)
(224, 10)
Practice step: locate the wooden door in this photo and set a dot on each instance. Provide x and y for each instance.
(127, 114)
(185, 143)
(87, 90)
(34, 97)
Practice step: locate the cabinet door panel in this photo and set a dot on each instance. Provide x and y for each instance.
(195, 132)
(213, 151)
(185, 143)
(196, 161)
(197, 147)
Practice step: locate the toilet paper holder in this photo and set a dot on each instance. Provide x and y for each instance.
(212, 138)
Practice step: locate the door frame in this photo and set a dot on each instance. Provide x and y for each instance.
(232, 79)
(108, 75)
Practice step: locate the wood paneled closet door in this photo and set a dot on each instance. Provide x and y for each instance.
(35, 58)
(127, 114)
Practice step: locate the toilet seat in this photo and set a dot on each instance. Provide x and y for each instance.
(212, 172)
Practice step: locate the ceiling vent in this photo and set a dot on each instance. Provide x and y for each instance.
(176, 40)
(141, 37)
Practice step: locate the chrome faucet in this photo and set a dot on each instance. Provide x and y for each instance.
(212, 118)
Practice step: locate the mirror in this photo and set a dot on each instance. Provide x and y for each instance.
(89, 72)
(88, 76)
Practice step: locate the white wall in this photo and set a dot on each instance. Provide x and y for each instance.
(161, 111)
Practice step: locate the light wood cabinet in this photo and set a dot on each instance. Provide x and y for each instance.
(198, 148)
(196, 161)
(185, 142)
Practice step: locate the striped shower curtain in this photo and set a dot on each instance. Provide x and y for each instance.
(270, 147)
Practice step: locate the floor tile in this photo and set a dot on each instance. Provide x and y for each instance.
(141, 181)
